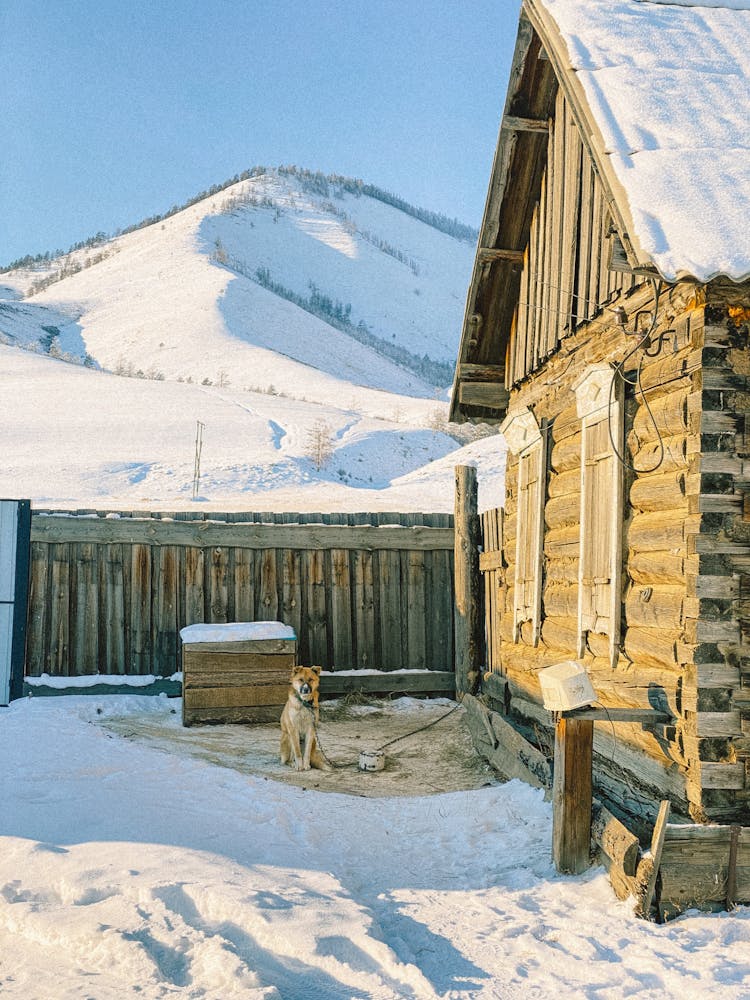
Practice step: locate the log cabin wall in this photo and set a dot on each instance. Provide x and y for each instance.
(684, 626)
(653, 665)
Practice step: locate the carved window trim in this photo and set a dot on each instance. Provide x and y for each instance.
(601, 411)
(525, 439)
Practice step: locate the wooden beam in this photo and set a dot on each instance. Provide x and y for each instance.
(468, 618)
(514, 124)
(615, 840)
(486, 255)
(572, 795)
(493, 395)
(503, 746)
(496, 687)
(482, 373)
(646, 716)
(387, 682)
(248, 535)
(651, 865)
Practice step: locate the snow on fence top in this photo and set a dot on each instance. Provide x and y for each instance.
(669, 88)
(236, 632)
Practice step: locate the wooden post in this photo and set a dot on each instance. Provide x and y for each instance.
(572, 795)
(469, 625)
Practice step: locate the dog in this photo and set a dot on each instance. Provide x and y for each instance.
(299, 721)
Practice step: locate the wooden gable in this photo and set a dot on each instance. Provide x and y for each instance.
(553, 249)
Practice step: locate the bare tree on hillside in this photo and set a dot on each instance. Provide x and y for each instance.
(320, 444)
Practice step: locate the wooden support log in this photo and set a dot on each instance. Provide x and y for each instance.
(388, 682)
(566, 454)
(668, 456)
(572, 795)
(563, 542)
(656, 607)
(654, 531)
(657, 568)
(565, 483)
(559, 571)
(561, 602)
(618, 844)
(665, 371)
(563, 510)
(509, 753)
(516, 124)
(665, 493)
(469, 620)
(566, 422)
(560, 634)
(670, 413)
(496, 688)
(648, 870)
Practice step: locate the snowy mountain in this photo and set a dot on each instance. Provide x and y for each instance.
(310, 325)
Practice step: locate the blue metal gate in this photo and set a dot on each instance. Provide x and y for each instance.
(15, 531)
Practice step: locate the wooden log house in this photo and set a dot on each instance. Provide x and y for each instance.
(607, 331)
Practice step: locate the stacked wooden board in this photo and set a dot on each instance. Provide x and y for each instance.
(238, 672)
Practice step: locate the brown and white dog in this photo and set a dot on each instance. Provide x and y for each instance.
(299, 720)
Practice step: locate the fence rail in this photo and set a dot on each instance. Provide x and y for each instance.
(109, 594)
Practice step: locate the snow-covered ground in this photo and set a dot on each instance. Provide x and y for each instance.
(75, 437)
(131, 871)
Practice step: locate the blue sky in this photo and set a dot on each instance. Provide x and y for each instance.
(115, 110)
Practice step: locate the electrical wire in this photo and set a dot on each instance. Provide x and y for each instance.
(620, 371)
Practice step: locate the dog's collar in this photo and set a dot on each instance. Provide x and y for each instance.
(303, 701)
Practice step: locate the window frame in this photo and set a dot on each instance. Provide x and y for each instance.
(597, 401)
(526, 439)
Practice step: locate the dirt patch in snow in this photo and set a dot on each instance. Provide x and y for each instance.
(422, 761)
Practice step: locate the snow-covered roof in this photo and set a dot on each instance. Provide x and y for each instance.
(668, 88)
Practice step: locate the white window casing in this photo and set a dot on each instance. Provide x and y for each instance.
(525, 439)
(600, 408)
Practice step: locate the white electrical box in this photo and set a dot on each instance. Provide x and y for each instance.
(566, 686)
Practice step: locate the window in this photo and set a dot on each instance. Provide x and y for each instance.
(600, 555)
(525, 439)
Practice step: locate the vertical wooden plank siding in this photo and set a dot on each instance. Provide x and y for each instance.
(585, 309)
(341, 610)
(37, 637)
(112, 618)
(416, 625)
(542, 282)
(569, 226)
(523, 349)
(317, 614)
(565, 276)
(217, 574)
(140, 591)
(268, 594)
(364, 609)
(389, 582)
(59, 600)
(165, 610)
(192, 586)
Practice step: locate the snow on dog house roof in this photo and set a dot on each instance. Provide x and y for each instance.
(660, 92)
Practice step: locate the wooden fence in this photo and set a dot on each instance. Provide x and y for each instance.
(109, 593)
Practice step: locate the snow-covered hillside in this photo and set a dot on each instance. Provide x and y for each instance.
(310, 327)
